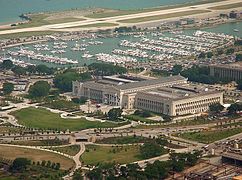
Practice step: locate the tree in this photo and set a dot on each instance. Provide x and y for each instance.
(77, 175)
(20, 164)
(178, 166)
(234, 108)
(157, 170)
(57, 166)
(8, 88)
(151, 149)
(43, 69)
(7, 64)
(239, 84)
(238, 42)
(238, 57)
(216, 108)
(209, 54)
(220, 52)
(31, 69)
(176, 69)
(201, 74)
(230, 51)
(114, 114)
(39, 89)
(81, 100)
(19, 70)
(106, 69)
(202, 55)
(95, 174)
(43, 163)
(64, 81)
(142, 113)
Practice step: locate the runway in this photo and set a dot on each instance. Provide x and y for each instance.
(124, 19)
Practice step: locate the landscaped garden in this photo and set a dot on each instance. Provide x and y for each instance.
(44, 119)
(123, 154)
(107, 154)
(210, 136)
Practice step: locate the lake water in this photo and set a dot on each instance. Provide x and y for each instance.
(11, 9)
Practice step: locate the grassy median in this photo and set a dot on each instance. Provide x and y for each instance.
(210, 136)
(227, 6)
(114, 13)
(163, 16)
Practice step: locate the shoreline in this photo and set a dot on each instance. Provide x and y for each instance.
(99, 11)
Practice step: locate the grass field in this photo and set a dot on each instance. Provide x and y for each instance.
(97, 25)
(163, 16)
(127, 12)
(210, 136)
(41, 143)
(44, 119)
(104, 154)
(123, 140)
(71, 150)
(42, 19)
(34, 155)
(228, 6)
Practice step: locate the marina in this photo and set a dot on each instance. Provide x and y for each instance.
(167, 48)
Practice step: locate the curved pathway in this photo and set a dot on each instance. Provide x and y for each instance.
(75, 158)
(77, 161)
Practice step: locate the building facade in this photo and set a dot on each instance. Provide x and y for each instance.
(230, 72)
(177, 106)
(171, 96)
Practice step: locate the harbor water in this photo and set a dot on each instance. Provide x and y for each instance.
(108, 44)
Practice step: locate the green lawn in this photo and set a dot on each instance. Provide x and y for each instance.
(51, 142)
(11, 153)
(44, 119)
(228, 6)
(97, 25)
(163, 16)
(103, 154)
(41, 19)
(123, 140)
(127, 12)
(71, 150)
(210, 136)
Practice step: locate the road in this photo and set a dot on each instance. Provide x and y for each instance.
(117, 19)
